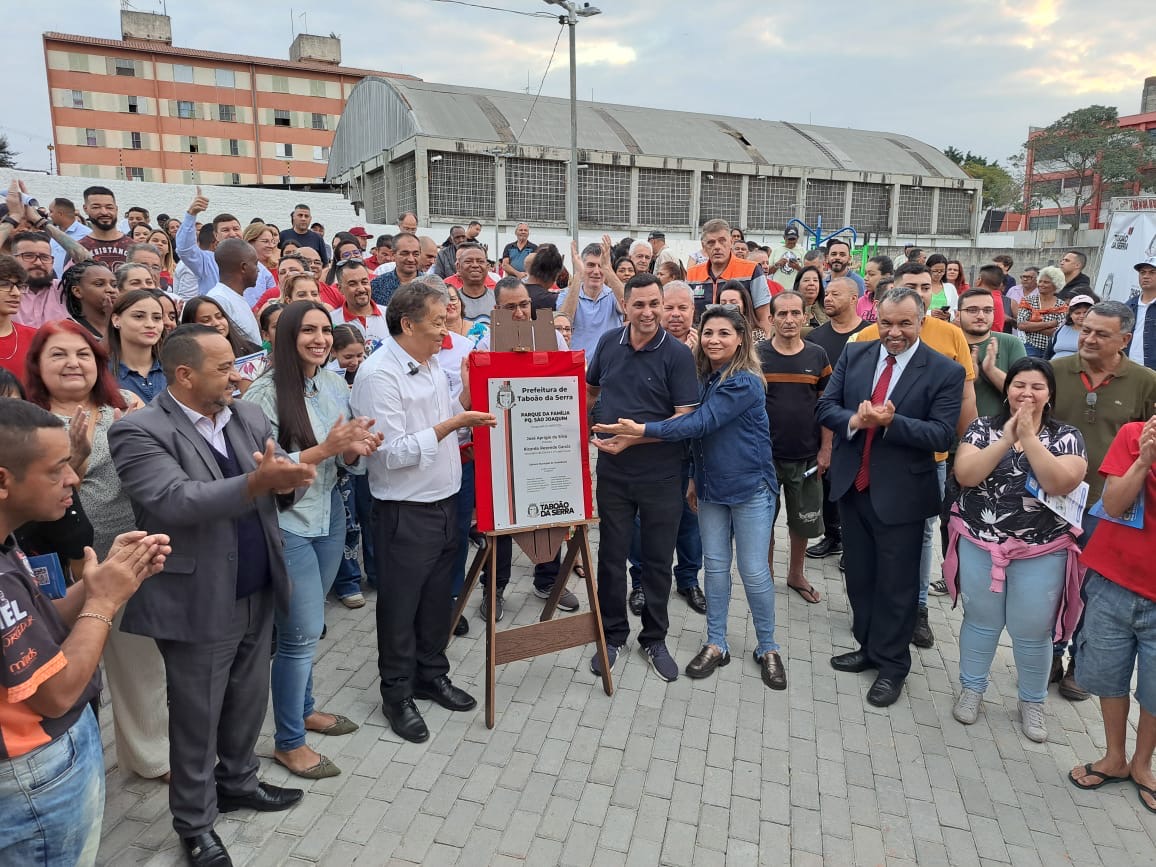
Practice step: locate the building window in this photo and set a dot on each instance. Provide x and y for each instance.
(235, 179)
(285, 180)
(319, 121)
(226, 78)
(135, 141)
(78, 62)
(182, 73)
(284, 149)
(320, 154)
(78, 99)
(90, 138)
(281, 117)
(227, 113)
(125, 67)
(194, 145)
(185, 110)
(135, 174)
(280, 84)
(317, 87)
(234, 147)
(133, 105)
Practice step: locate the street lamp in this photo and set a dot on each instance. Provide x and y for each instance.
(573, 13)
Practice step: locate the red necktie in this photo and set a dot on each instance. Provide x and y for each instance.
(878, 396)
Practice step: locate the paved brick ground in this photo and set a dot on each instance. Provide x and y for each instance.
(721, 771)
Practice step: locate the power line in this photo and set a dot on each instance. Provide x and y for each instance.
(498, 9)
(542, 83)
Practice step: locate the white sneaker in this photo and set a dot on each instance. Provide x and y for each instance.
(966, 708)
(1032, 721)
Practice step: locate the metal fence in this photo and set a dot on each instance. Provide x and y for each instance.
(535, 190)
(826, 198)
(954, 212)
(604, 195)
(870, 204)
(404, 185)
(664, 197)
(771, 202)
(914, 211)
(720, 198)
(461, 185)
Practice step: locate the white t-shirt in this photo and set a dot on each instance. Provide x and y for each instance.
(237, 310)
(1136, 347)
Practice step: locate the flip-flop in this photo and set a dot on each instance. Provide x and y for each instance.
(1105, 779)
(1140, 790)
(807, 593)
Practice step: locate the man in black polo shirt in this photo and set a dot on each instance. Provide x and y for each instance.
(796, 372)
(839, 302)
(640, 372)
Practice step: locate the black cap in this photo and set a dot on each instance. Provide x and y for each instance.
(790, 232)
(656, 236)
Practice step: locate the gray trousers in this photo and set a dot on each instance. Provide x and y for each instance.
(218, 694)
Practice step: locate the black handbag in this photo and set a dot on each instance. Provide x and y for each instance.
(66, 537)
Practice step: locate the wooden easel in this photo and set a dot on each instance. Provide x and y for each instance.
(548, 635)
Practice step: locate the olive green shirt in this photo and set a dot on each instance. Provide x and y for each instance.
(1009, 350)
(1129, 396)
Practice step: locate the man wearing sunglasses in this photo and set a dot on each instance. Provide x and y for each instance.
(1099, 390)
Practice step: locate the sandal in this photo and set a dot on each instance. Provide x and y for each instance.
(340, 726)
(320, 771)
(1105, 779)
(1141, 789)
(809, 594)
(579, 571)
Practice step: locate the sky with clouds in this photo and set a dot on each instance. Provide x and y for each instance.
(970, 73)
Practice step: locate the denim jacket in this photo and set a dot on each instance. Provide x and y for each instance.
(1149, 335)
(731, 439)
(326, 401)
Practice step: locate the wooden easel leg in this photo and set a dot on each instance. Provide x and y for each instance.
(471, 579)
(491, 627)
(551, 606)
(581, 544)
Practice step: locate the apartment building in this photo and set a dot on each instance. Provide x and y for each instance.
(140, 108)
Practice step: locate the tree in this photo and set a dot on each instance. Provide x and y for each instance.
(1091, 152)
(7, 156)
(1000, 188)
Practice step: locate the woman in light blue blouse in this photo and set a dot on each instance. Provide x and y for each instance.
(308, 407)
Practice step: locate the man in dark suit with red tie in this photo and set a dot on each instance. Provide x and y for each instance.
(892, 403)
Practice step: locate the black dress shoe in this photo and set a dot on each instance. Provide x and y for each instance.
(637, 602)
(855, 661)
(206, 850)
(405, 720)
(694, 598)
(443, 692)
(462, 627)
(266, 799)
(884, 691)
(922, 636)
(824, 548)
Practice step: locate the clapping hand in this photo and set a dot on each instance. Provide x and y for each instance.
(79, 443)
(279, 475)
(353, 439)
(871, 416)
(1148, 442)
(134, 556)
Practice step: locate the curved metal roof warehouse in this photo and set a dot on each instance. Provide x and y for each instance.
(454, 153)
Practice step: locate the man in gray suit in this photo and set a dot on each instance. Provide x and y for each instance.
(207, 470)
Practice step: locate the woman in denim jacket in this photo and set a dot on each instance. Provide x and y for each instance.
(733, 486)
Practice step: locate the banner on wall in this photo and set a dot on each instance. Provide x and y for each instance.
(1129, 239)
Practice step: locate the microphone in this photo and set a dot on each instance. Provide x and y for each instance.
(413, 368)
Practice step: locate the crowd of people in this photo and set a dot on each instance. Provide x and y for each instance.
(208, 428)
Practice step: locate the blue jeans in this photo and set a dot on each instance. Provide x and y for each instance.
(929, 538)
(363, 501)
(750, 525)
(1027, 607)
(52, 799)
(348, 579)
(688, 548)
(1033, 351)
(312, 566)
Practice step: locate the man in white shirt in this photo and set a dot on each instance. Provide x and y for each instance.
(414, 478)
(236, 262)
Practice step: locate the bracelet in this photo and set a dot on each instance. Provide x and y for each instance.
(10, 221)
(107, 621)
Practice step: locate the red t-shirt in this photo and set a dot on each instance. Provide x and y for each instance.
(998, 317)
(14, 349)
(1122, 554)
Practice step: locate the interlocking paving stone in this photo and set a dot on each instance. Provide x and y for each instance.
(719, 771)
